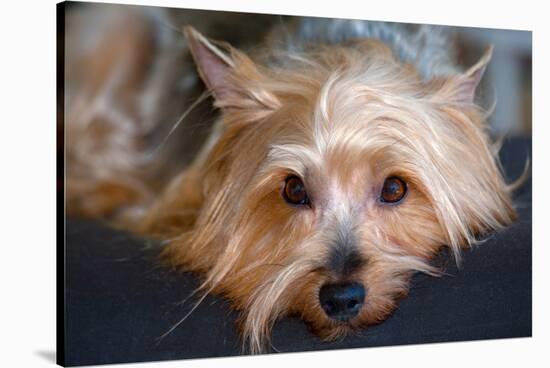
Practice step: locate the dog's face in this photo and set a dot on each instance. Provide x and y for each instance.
(336, 177)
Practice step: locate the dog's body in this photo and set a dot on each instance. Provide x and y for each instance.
(336, 169)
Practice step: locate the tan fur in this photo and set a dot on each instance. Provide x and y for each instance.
(343, 118)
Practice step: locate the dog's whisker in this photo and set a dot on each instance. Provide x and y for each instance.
(200, 99)
(191, 294)
(274, 348)
(183, 319)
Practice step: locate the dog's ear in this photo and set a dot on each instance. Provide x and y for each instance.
(233, 78)
(463, 87)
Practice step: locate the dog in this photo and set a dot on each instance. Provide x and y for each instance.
(345, 156)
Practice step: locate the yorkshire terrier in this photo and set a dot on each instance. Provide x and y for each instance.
(345, 156)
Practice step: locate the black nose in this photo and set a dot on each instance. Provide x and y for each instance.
(342, 301)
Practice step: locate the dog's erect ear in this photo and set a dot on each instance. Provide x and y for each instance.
(213, 64)
(470, 80)
(465, 85)
(229, 74)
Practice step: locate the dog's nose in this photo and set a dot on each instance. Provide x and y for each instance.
(342, 301)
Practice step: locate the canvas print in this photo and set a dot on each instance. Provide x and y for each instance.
(237, 183)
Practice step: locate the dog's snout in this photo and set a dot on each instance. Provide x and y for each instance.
(342, 301)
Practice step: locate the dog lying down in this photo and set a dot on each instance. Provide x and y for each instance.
(344, 155)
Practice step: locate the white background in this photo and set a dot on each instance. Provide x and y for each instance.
(27, 179)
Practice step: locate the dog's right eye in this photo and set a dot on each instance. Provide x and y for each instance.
(394, 190)
(295, 192)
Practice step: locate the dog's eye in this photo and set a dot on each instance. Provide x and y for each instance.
(294, 191)
(394, 190)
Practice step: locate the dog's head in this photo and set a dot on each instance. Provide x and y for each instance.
(339, 173)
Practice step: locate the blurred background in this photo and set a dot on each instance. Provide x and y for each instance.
(507, 81)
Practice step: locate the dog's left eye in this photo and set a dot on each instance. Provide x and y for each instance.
(394, 190)
(295, 192)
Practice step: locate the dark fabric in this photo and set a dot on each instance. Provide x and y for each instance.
(119, 301)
